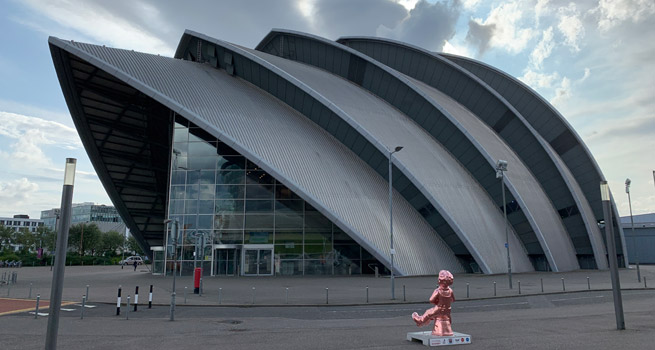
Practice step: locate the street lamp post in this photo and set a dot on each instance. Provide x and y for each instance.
(611, 254)
(632, 224)
(501, 168)
(174, 232)
(60, 252)
(392, 252)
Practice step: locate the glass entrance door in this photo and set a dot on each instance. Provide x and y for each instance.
(258, 262)
(225, 262)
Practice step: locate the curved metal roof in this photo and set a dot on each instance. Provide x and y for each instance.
(554, 128)
(432, 169)
(128, 141)
(321, 117)
(438, 175)
(292, 148)
(500, 115)
(403, 93)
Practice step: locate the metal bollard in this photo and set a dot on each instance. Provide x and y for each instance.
(563, 287)
(519, 287)
(200, 289)
(118, 302)
(286, 296)
(494, 288)
(30, 294)
(467, 290)
(87, 292)
(185, 295)
(326, 295)
(253, 295)
(542, 285)
(150, 298)
(127, 314)
(645, 285)
(219, 295)
(83, 307)
(136, 297)
(588, 284)
(377, 273)
(404, 298)
(367, 294)
(36, 311)
(172, 312)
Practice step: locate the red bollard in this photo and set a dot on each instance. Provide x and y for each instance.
(197, 273)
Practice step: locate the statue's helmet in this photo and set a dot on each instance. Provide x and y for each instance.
(446, 277)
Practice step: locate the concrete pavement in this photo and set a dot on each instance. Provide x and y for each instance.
(103, 283)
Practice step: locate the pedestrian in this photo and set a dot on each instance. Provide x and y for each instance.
(135, 263)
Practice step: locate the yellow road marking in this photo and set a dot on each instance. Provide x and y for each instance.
(63, 303)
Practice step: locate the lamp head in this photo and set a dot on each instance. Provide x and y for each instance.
(627, 185)
(398, 148)
(69, 171)
(501, 165)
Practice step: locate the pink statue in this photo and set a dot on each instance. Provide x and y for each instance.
(442, 297)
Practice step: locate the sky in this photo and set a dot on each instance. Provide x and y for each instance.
(593, 60)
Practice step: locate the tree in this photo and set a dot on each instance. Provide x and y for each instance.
(134, 246)
(111, 241)
(24, 238)
(84, 238)
(6, 235)
(45, 237)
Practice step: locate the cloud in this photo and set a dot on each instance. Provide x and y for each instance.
(503, 28)
(38, 131)
(63, 117)
(479, 35)
(537, 80)
(562, 93)
(543, 49)
(96, 22)
(460, 50)
(15, 195)
(334, 18)
(541, 10)
(408, 4)
(570, 26)
(427, 25)
(619, 159)
(29, 137)
(612, 13)
(470, 4)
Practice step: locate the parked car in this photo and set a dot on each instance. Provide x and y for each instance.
(130, 260)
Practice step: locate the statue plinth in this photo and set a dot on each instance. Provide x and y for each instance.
(434, 340)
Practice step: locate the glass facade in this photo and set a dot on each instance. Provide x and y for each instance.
(85, 213)
(236, 218)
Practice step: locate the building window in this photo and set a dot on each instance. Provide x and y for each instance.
(231, 200)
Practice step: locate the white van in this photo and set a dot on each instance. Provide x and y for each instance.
(130, 260)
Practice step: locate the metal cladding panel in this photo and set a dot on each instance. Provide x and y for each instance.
(558, 182)
(286, 144)
(536, 206)
(555, 126)
(439, 176)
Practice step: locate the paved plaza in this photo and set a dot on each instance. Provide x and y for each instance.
(103, 282)
(576, 318)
